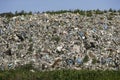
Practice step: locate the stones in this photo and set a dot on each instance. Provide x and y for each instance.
(52, 42)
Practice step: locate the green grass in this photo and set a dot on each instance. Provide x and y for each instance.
(25, 74)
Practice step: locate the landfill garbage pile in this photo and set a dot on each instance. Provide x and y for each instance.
(60, 41)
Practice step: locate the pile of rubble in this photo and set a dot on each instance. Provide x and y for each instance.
(60, 41)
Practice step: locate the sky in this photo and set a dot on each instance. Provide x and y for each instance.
(55, 5)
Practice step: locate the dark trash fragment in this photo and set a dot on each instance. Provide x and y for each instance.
(20, 37)
(82, 35)
(79, 61)
(70, 62)
(8, 52)
(92, 45)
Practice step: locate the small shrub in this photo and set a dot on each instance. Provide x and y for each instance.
(56, 38)
(94, 61)
(30, 48)
(86, 59)
(20, 46)
(25, 67)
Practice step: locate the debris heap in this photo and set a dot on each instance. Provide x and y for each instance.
(60, 41)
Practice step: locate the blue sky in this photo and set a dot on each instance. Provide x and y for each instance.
(48, 5)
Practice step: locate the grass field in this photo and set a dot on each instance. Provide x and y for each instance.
(22, 74)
